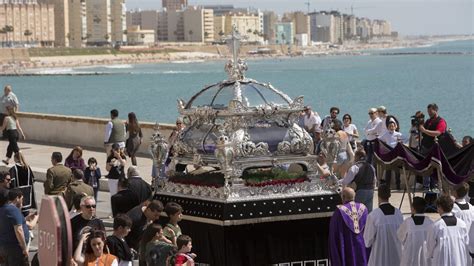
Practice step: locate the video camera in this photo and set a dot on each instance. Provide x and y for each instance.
(418, 119)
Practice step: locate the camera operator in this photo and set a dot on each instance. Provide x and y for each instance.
(415, 135)
(433, 127)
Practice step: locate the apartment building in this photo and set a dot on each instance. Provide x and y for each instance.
(174, 4)
(29, 23)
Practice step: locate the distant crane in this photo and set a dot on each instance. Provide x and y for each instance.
(358, 7)
(308, 4)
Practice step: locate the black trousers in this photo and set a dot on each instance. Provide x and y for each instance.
(12, 135)
(13, 256)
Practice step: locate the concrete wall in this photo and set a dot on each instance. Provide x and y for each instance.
(77, 130)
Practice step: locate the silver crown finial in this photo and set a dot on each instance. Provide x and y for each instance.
(235, 67)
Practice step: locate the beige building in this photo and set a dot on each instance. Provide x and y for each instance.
(219, 28)
(119, 21)
(61, 21)
(30, 24)
(174, 4)
(99, 24)
(138, 36)
(349, 27)
(77, 23)
(248, 25)
(198, 24)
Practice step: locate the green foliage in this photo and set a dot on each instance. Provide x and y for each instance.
(259, 175)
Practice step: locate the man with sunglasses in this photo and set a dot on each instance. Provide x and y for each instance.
(86, 218)
(331, 119)
(5, 180)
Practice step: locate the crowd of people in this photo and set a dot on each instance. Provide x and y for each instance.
(138, 232)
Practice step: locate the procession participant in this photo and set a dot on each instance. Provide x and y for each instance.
(363, 175)
(380, 232)
(392, 138)
(412, 234)
(462, 209)
(371, 133)
(346, 241)
(23, 178)
(447, 242)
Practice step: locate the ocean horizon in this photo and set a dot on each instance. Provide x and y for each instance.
(404, 83)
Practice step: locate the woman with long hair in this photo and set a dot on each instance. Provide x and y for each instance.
(23, 178)
(96, 252)
(75, 160)
(134, 137)
(13, 129)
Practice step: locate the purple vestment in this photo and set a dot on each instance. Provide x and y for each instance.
(346, 230)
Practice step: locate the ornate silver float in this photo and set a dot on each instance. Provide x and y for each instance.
(238, 125)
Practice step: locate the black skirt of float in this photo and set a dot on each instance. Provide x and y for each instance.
(259, 232)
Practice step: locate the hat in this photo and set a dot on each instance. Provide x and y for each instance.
(382, 109)
(179, 120)
(132, 171)
(372, 110)
(115, 146)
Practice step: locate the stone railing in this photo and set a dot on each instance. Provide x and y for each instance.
(77, 130)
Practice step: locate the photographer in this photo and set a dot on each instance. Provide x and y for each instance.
(433, 127)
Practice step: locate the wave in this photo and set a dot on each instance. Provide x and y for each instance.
(118, 66)
(54, 71)
(176, 72)
(187, 61)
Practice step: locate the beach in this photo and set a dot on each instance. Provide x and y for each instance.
(190, 53)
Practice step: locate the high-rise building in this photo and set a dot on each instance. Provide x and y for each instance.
(99, 26)
(77, 23)
(61, 21)
(174, 4)
(350, 30)
(284, 33)
(119, 21)
(198, 24)
(327, 27)
(269, 20)
(363, 28)
(30, 23)
(248, 25)
(301, 23)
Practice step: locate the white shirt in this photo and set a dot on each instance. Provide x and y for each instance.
(466, 215)
(9, 100)
(312, 120)
(447, 245)
(413, 240)
(352, 172)
(380, 233)
(371, 130)
(382, 126)
(350, 129)
(391, 138)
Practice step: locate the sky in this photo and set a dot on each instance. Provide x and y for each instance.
(419, 17)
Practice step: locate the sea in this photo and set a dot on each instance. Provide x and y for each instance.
(403, 80)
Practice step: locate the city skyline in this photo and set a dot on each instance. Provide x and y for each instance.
(407, 17)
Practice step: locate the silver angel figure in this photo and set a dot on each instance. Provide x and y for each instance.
(159, 151)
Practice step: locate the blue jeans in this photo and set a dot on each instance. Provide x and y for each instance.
(366, 197)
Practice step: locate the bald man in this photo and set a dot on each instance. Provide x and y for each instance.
(346, 230)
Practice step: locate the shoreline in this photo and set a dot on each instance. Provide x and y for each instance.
(204, 53)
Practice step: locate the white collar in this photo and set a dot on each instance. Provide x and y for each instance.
(461, 201)
(447, 214)
(419, 214)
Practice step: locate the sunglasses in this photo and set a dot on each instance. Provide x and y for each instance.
(90, 206)
(8, 179)
(371, 113)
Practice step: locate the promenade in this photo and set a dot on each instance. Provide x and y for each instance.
(38, 156)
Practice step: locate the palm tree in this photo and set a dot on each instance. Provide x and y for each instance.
(28, 33)
(3, 31)
(7, 29)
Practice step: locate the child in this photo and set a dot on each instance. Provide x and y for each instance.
(159, 249)
(92, 175)
(413, 233)
(175, 214)
(116, 242)
(184, 256)
(462, 209)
